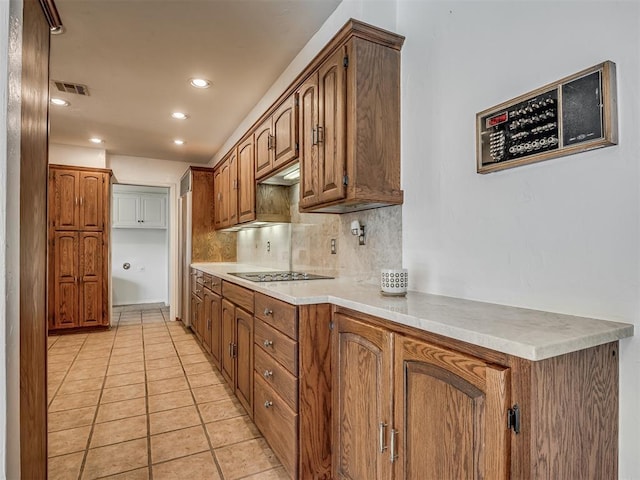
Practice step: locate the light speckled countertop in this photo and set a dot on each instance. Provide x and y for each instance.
(529, 334)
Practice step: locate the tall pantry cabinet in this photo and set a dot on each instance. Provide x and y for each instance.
(78, 253)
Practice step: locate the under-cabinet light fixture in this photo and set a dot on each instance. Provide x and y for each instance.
(177, 141)
(293, 175)
(179, 115)
(96, 140)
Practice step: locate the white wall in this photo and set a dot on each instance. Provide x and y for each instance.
(562, 235)
(10, 118)
(147, 252)
(77, 156)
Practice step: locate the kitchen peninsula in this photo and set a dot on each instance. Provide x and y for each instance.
(513, 392)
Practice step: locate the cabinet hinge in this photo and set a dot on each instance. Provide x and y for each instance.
(297, 102)
(345, 180)
(330, 325)
(297, 146)
(345, 61)
(513, 419)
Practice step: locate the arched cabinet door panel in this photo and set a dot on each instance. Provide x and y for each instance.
(458, 402)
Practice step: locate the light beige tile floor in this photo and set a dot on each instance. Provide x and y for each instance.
(142, 401)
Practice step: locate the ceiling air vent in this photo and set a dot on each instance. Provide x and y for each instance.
(69, 87)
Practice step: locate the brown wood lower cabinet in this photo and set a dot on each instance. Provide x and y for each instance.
(339, 394)
(407, 404)
(456, 400)
(213, 316)
(237, 343)
(78, 280)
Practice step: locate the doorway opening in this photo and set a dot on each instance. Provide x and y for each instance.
(140, 258)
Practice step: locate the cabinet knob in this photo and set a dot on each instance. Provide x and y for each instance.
(268, 343)
(268, 404)
(268, 312)
(267, 374)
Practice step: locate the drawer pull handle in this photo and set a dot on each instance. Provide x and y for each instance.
(268, 404)
(267, 343)
(268, 312)
(393, 455)
(267, 374)
(382, 427)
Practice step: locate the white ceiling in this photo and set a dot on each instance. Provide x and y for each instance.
(136, 57)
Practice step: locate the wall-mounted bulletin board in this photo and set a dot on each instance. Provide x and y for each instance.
(572, 115)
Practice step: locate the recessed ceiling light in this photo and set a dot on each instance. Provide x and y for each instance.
(59, 101)
(179, 115)
(179, 142)
(96, 140)
(199, 82)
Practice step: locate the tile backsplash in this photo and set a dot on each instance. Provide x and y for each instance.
(305, 244)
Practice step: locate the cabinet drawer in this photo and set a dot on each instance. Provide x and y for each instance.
(206, 280)
(274, 374)
(198, 290)
(242, 297)
(216, 285)
(199, 276)
(279, 315)
(278, 345)
(278, 424)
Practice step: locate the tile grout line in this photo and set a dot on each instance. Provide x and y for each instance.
(146, 403)
(65, 373)
(95, 414)
(202, 422)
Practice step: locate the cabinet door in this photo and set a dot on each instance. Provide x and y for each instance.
(362, 409)
(246, 182)
(66, 281)
(228, 339)
(206, 337)
(263, 141)
(232, 189)
(218, 189)
(194, 313)
(309, 168)
(215, 311)
(125, 210)
(285, 133)
(153, 211)
(450, 414)
(64, 199)
(332, 108)
(91, 200)
(91, 279)
(221, 178)
(244, 359)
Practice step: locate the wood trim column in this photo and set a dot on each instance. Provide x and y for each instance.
(33, 241)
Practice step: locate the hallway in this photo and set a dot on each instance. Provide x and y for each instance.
(142, 401)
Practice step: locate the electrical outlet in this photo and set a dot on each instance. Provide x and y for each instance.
(333, 246)
(268, 246)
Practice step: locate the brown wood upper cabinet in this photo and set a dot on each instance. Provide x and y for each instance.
(357, 85)
(341, 119)
(245, 182)
(276, 139)
(77, 200)
(225, 189)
